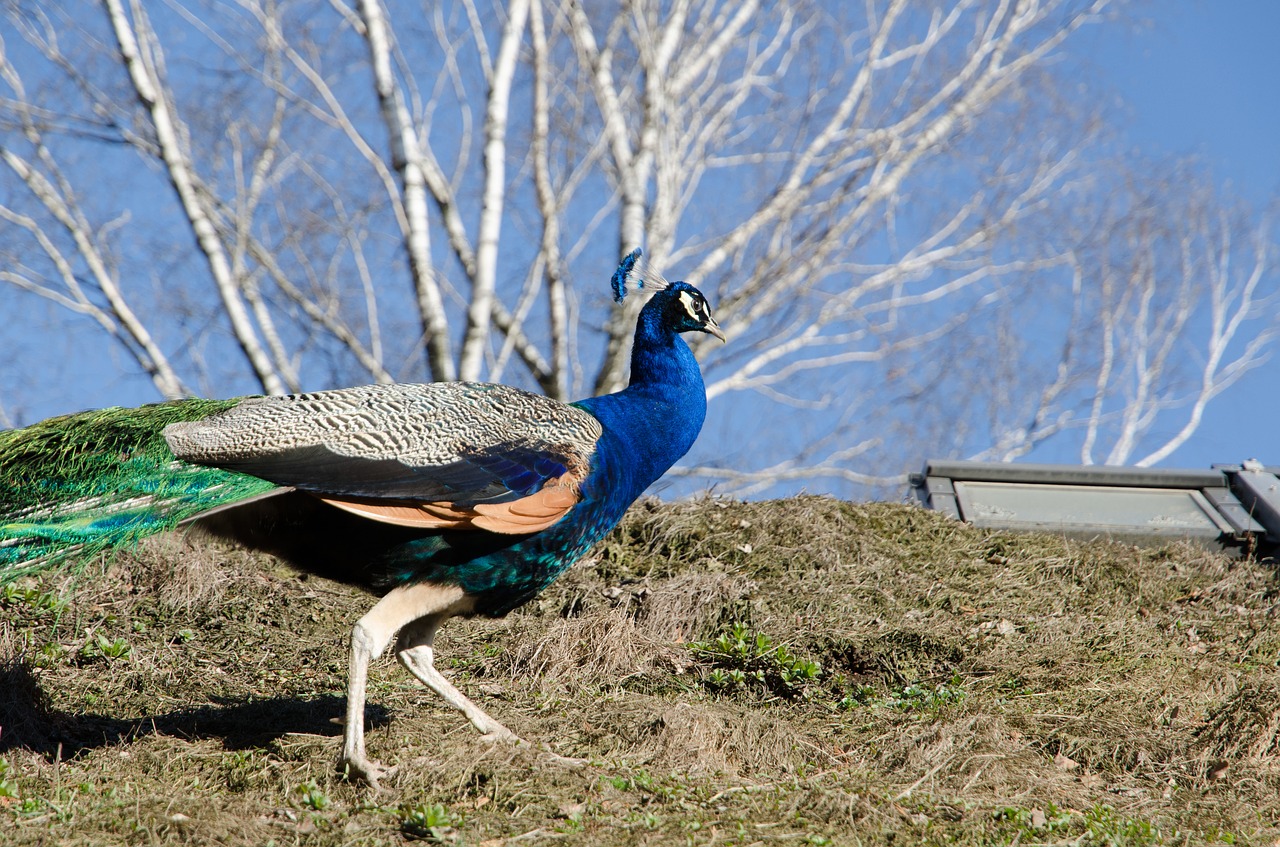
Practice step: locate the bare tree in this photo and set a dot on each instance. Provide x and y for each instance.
(1167, 315)
(372, 190)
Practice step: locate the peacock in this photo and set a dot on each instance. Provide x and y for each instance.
(443, 499)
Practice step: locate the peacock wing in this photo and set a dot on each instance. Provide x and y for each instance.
(441, 455)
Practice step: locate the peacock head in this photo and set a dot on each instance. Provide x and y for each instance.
(682, 307)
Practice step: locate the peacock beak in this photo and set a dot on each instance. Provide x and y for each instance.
(713, 328)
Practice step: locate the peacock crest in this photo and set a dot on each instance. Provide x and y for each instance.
(635, 272)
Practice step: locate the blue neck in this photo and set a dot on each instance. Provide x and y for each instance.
(654, 421)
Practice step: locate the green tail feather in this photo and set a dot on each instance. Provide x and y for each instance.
(80, 484)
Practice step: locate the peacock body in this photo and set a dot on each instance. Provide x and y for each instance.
(444, 498)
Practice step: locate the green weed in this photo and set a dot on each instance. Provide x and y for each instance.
(241, 769)
(8, 785)
(431, 821)
(925, 698)
(101, 647)
(30, 600)
(1050, 820)
(920, 699)
(740, 659)
(312, 797)
(49, 655)
(1105, 827)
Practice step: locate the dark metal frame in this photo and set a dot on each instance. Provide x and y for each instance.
(1241, 503)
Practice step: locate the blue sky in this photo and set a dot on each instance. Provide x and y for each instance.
(1204, 79)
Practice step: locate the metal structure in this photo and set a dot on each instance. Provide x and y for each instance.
(1229, 507)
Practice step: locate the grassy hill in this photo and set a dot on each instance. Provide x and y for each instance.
(798, 671)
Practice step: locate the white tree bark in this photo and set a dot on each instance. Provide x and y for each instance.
(497, 105)
(143, 63)
(407, 159)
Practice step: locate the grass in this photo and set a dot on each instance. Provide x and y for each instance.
(793, 672)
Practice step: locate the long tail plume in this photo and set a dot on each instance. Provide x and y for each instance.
(84, 483)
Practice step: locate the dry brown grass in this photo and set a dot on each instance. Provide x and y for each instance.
(976, 688)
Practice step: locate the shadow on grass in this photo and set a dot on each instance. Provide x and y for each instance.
(28, 723)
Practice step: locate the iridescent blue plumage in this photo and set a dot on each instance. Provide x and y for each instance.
(447, 498)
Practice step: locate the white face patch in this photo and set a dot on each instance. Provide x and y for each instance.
(694, 306)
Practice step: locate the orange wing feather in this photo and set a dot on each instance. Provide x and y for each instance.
(528, 514)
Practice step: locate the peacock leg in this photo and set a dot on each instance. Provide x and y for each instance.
(416, 653)
(369, 638)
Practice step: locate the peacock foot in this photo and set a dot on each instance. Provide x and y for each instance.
(565, 761)
(361, 769)
(501, 735)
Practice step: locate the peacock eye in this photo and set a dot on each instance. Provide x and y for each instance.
(695, 306)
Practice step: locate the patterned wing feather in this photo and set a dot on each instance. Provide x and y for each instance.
(452, 444)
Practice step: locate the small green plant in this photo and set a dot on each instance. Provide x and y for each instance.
(741, 659)
(926, 698)
(1012, 814)
(572, 823)
(1051, 819)
(28, 599)
(49, 655)
(240, 769)
(312, 797)
(8, 785)
(1100, 826)
(1104, 827)
(37, 807)
(426, 820)
(861, 695)
(918, 698)
(647, 820)
(101, 647)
